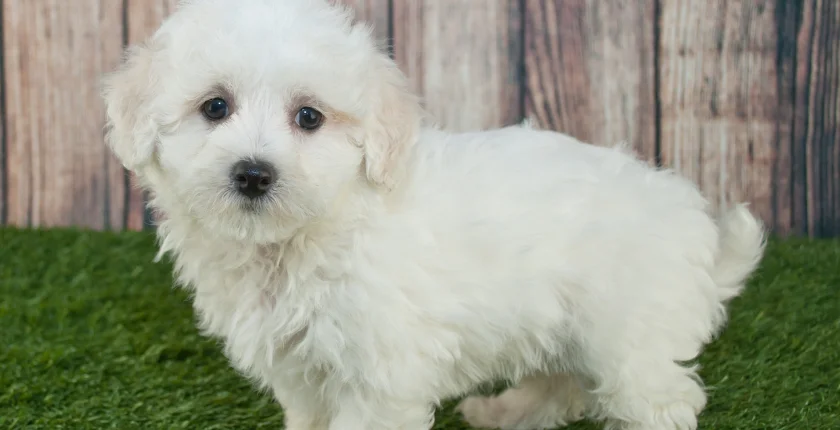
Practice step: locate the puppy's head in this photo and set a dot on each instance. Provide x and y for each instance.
(257, 116)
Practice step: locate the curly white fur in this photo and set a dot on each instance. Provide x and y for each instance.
(394, 264)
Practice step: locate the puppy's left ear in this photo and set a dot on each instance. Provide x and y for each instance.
(130, 131)
(391, 126)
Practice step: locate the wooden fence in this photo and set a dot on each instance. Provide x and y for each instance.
(740, 95)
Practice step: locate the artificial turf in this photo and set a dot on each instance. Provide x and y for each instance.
(94, 336)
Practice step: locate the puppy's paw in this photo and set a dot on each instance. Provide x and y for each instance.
(517, 410)
(482, 412)
(500, 413)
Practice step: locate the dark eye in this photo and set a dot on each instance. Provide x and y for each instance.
(308, 118)
(215, 109)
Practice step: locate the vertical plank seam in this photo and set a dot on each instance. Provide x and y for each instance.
(390, 30)
(657, 83)
(794, 151)
(723, 180)
(4, 126)
(823, 173)
(783, 30)
(819, 163)
(33, 21)
(522, 84)
(832, 80)
(808, 123)
(815, 100)
(106, 155)
(126, 179)
(799, 177)
(30, 197)
(833, 217)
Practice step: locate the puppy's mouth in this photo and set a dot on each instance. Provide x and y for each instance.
(255, 205)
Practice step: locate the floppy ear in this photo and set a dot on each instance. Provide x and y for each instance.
(392, 125)
(130, 130)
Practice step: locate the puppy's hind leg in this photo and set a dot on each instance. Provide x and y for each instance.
(536, 403)
(648, 394)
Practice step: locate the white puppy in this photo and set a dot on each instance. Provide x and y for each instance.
(364, 266)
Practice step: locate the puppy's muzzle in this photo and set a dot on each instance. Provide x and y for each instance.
(252, 178)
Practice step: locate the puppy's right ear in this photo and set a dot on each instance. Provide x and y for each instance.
(131, 132)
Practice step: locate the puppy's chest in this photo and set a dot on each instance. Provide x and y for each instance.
(258, 312)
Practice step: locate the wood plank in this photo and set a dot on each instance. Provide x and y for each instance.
(817, 117)
(143, 17)
(3, 164)
(590, 70)
(54, 53)
(463, 58)
(789, 179)
(831, 124)
(720, 98)
(375, 12)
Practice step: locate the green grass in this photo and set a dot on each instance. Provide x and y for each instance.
(94, 336)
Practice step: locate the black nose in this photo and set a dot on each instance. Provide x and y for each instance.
(252, 178)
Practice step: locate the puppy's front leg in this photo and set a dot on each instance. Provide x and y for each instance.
(301, 408)
(299, 420)
(374, 412)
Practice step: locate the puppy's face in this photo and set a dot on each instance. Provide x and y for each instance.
(255, 117)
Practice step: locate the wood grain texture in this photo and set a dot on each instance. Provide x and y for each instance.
(720, 98)
(375, 12)
(816, 120)
(789, 173)
(54, 53)
(748, 91)
(4, 167)
(463, 58)
(590, 70)
(142, 19)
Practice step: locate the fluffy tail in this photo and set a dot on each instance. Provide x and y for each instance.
(742, 243)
